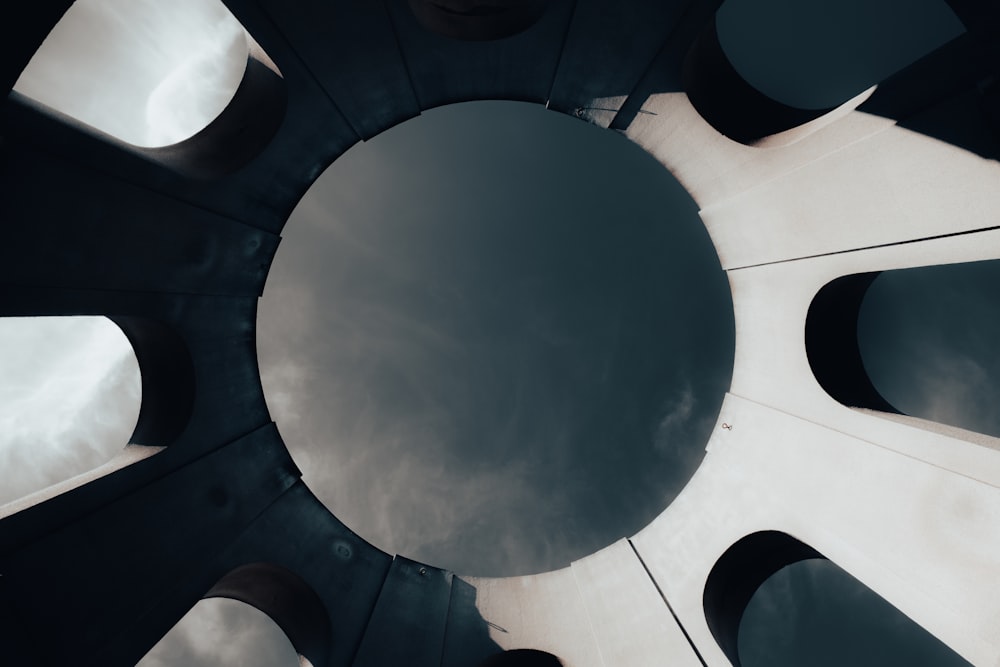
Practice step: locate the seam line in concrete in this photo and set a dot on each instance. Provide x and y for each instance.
(868, 247)
(123, 179)
(290, 46)
(628, 110)
(402, 56)
(562, 51)
(659, 590)
(852, 436)
(794, 169)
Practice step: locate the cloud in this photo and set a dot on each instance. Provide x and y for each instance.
(674, 424)
(218, 633)
(928, 338)
(69, 400)
(147, 72)
(813, 613)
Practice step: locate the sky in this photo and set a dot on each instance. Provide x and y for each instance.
(470, 340)
(503, 358)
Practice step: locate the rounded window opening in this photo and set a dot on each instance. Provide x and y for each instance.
(70, 393)
(927, 338)
(912, 345)
(219, 632)
(840, 48)
(813, 613)
(148, 73)
(496, 338)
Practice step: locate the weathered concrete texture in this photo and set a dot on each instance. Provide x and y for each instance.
(176, 249)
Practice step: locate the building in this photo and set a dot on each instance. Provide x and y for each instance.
(174, 245)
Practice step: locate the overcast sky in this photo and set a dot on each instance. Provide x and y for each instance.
(495, 338)
(470, 339)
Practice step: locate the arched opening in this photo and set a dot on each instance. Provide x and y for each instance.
(915, 345)
(223, 633)
(813, 613)
(743, 82)
(840, 48)
(773, 600)
(257, 614)
(927, 338)
(70, 395)
(182, 82)
(148, 73)
(832, 343)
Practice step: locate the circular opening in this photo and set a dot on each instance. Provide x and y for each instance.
(496, 338)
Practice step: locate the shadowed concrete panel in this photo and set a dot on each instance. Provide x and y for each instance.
(832, 343)
(730, 104)
(945, 95)
(93, 228)
(167, 379)
(331, 38)
(736, 577)
(477, 20)
(298, 533)
(445, 70)
(408, 624)
(607, 51)
(156, 544)
(467, 638)
(664, 74)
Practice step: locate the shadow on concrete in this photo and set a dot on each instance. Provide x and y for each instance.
(832, 343)
(738, 574)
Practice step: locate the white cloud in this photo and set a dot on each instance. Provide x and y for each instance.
(69, 399)
(150, 73)
(217, 633)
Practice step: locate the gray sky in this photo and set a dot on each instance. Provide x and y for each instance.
(69, 399)
(813, 613)
(495, 338)
(470, 340)
(928, 339)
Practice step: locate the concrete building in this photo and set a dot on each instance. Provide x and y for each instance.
(804, 207)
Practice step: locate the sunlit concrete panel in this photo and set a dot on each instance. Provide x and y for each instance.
(891, 187)
(771, 365)
(822, 193)
(544, 612)
(630, 620)
(927, 535)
